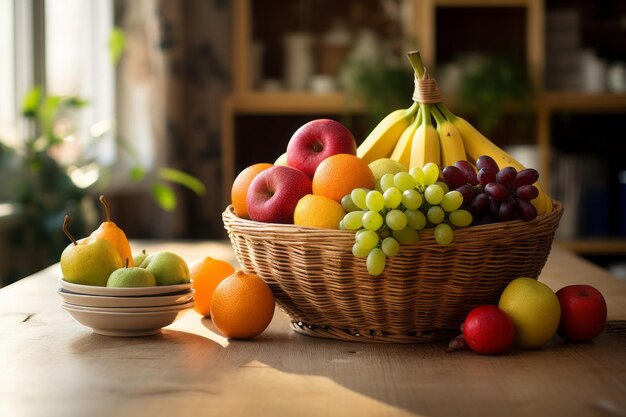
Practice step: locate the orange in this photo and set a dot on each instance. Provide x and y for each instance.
(205, 275)
(239, 190)
(242, 306)
(339, 174)
(318, 211)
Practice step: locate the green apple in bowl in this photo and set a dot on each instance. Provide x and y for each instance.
(167, 268)
(131, 277)
(138, 258)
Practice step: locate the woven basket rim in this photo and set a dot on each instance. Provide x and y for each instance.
(338, 233)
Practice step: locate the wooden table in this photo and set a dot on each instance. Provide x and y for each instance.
(52, 366)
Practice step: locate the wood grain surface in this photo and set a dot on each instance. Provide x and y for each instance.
(50, 365)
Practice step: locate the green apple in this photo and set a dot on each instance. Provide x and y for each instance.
(281, 160)
(131, 277)
(167, 268)
(88, 261)
(139, 257)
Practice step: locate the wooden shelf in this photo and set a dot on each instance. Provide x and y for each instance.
(294, 103)
(484, 3)
(420, 23)
(584, 102)
(596, 246)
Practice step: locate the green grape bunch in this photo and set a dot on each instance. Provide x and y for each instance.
(407, 202)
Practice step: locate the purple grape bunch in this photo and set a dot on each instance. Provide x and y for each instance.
(492, 194)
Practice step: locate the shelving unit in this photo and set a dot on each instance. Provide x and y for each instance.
(422, 17)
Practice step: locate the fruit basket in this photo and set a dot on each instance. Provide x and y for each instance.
(424, 293)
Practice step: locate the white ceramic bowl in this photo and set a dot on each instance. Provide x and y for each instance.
(124, 324)
(118, 302)
(172, 307)
(122, 292)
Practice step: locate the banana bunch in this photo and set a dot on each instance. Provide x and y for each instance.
(476, 144)
(410, 137)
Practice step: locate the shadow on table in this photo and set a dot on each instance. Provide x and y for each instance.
(387, 373)
(413, 377)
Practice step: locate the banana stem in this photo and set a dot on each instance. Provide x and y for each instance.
(437, 115)
(426, 114)
(446, 112)
(418, 118)
(416, 62)
(414, 108)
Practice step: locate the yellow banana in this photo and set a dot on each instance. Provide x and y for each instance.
(476, 144)
(402, 151)
(425, 146)
(452, 148)
(383, 138)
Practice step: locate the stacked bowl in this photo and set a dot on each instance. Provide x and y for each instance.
(138, 311)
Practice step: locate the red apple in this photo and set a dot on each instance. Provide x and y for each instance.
(583, 313)
(317, 140)
(489, 330)
(274, 193)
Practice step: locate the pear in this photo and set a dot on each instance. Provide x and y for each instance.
(131, 277)
(167, 267)
(116, 236)
(88, 261)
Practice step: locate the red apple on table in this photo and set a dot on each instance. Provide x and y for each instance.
(583, 312)
(317, 140)
(489, 330)
(275, 192)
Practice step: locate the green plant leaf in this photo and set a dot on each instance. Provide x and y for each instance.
(74, 102)
(31, 103)
(184, 179)
(127, 147)
(137, 173)
(117, 44)
(164, 196)
(48, 115)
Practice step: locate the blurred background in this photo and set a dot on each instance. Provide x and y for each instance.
(158, 104)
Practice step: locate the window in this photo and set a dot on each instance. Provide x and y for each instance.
(8, 64)
(60, 45)
(77, 63)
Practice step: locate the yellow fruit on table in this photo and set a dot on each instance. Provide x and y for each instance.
(318, 211)
(535, 310)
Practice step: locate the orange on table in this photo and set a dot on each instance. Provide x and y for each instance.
(318, 211)
(242, 306)
(239, 190)
(339, 174)
(206, 274)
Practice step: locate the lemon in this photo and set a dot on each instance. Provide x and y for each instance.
(535, 310)
(384, 166)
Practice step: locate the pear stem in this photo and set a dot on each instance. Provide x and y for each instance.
(126, 263)
(66, 221)
(107, 209)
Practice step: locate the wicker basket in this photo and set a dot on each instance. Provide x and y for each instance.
(424, 293)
